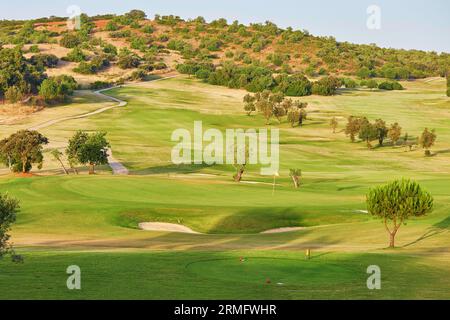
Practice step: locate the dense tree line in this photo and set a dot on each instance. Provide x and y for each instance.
(18, 76)
(257, 78)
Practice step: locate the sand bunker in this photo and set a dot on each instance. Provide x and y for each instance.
(281, 230)
(173, 227)
(168, 227)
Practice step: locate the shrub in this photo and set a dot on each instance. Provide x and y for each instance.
(177, 45)
(34, 49)
(138, 75)
(85, 68)
(372, 84)
(111, 26)
(97, 85)
(390, 85)
(138, 43)
(44, 60)
(148, 29)
(95, 65)
(128, 60)
(135, 25)
(349, 83)
(193, 68)
(75, 55)
(163, 38)
(13, 94)
(57, 88)
(326, 86)
(294, 86)
(70, 40)
(212, 44)
(160, 66)
(120, 34)
(109, 49)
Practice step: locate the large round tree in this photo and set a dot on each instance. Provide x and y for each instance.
(397, 201)
(23, 149)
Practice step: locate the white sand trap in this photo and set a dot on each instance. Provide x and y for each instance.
(282, 230)
(168, 227)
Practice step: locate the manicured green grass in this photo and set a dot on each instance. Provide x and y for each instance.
(89, 204)
(221, 275)
(60, 214)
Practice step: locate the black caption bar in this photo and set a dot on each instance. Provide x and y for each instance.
(186, 310)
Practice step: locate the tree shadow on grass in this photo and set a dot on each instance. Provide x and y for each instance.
(171, 168)
(255, 220)
(436, 229)
(441, 151)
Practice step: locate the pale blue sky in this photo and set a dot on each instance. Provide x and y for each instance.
(409, 24)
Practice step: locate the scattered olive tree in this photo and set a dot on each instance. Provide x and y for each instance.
(295, 175)
(394, 133)
(427, 140)
(367, 132)
(397, 201)
(353, 127)
(334, 124)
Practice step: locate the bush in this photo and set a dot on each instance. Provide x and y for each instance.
(95, 65)
(109, 49)
(128, 60)
(120, 34)
(138, 75)
(111, 26)
(212, 44)
(148, 29)
(164, 38)
(13, 94)
(349, 83)
(70, 40)
(44, 60)
(75, 55)
(294, 86)
(194, 68)
(135, 25)
(34, 49)
(138, 43)
(372, 84)
(57, 88)
(177, 45)
(85, 68)
(326, 86)
(97, 85)
(390, 85)
(160, 66)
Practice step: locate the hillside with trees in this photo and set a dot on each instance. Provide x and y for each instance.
(111, 49)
